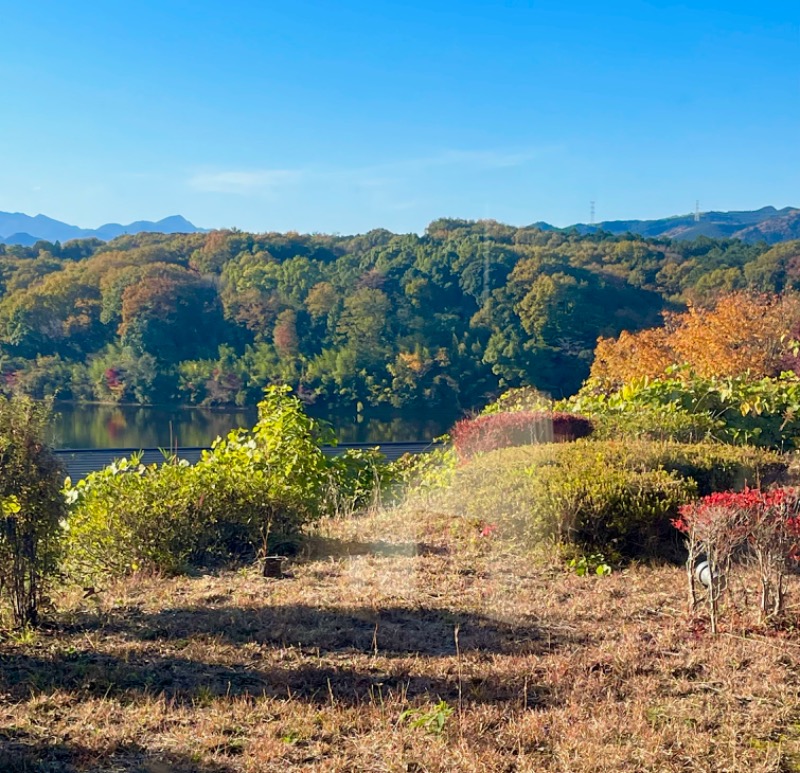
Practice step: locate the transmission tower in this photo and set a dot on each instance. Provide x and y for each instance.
(591, 213)
(486, 276)
(697, 211)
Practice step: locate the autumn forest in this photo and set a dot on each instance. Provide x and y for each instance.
(448, 318)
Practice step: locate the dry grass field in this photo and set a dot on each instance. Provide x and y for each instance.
(398, 643)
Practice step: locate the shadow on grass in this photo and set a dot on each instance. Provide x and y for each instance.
(390, 631)
(190, 682)
(334, 651)
(20, 752)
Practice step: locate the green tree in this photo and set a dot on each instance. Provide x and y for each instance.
(31, 508)
(171, 317)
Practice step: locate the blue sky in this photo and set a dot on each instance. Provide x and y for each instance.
(340, 117)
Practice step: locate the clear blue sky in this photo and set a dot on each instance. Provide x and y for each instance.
(345, 116)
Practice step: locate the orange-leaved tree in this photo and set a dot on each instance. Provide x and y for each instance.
(743, 332)
(632, 355)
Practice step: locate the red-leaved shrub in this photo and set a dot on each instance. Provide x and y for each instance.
(519, 428)
(762, 524)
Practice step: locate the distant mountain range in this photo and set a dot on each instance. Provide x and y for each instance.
(766, 224)
(17, 228)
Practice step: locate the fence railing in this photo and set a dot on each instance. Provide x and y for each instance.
(79, 462)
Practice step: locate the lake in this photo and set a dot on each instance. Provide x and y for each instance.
(130, 426)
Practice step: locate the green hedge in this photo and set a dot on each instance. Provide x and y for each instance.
(715, 466)
(619, 511)
(616, 497)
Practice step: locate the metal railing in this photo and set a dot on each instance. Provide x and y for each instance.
(79, 462)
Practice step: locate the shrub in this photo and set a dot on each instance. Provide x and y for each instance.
(129, 516)
(268, 482)
(686, 407)
(712, 466)
(763, 524)
(659, 423)
(622, 512)
(504, 430)
(612, 497)
(716, 466)
(428, 472)
(519, 399)
(357, 478)
(253, 492)
(31, 508)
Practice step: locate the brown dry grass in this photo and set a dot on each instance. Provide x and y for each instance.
(544, 670)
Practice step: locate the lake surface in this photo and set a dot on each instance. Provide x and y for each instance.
(110, 426)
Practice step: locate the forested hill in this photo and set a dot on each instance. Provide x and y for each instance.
(761, 225)
(442, 319)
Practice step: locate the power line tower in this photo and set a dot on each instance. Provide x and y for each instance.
(486, 275)
(591, 213)
(486, 266)
(697, 211)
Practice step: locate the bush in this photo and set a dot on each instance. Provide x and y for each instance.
(519, 399)
(426, 472)
(357, 478)
(253, 492)
(504, 430)
(128, 517)
(657, 423)
(686, 407)
(613, 497)
(621, 512)
(715, 466)
(265, 484)
(623, 496)
(31, 508)
(711, 466)
(728, 525)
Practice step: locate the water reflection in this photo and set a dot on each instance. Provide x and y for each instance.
(110, 426)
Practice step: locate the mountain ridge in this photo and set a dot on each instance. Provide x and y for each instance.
(767, 224)
(19, 228)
